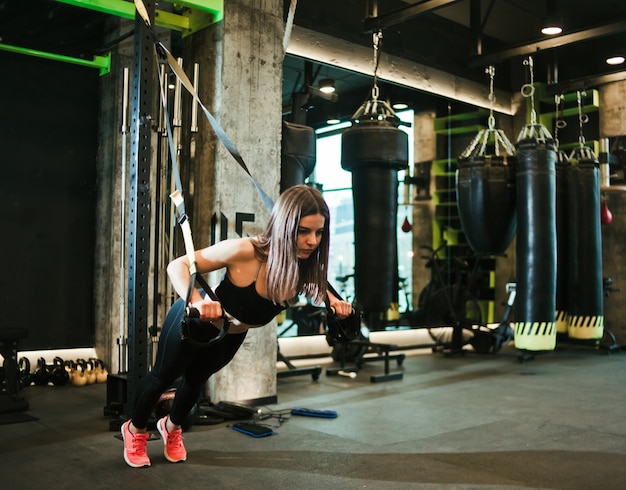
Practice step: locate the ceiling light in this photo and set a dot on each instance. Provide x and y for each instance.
(553, 24)
(551, 30)
(332, 120)
(327, 85)
(400, 106)
(615, 60)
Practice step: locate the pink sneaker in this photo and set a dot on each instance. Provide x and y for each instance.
(135, 447)
(174, 448)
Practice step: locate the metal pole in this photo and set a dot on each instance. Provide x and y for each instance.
(121, 342)
(140, 206)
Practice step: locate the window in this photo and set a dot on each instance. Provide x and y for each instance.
(337, 188)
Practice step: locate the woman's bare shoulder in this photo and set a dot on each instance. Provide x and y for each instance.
(230, 250)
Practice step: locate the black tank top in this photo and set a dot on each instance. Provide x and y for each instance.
(245, 304)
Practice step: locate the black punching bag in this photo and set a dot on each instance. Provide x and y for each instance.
(373, 151)
(535, 302)
(486, 199)
(298, 154)
(586, 301)
(563, 167)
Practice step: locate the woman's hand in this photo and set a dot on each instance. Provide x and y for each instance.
(342, 309)
(208, 309)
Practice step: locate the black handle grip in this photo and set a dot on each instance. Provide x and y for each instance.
(334, 312)
(192, 312)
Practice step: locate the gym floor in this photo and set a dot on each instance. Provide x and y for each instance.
(456, 422)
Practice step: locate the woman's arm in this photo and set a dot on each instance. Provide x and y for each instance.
(343, 309)
(224, 254)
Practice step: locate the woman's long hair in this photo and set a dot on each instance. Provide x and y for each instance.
(287, 275)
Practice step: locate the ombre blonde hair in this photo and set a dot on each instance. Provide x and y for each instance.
(287, 275)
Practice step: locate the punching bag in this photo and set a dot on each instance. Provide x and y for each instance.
(563, 167)
(486, 200)
(586, 300)
(536, 260)
(298, 154)
(373, 151)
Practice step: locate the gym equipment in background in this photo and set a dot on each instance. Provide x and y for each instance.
(585, 294)
(10, 398)
(374, 149)
(485, 184)
(535, 328)
(563, 168)
(580, 285)
(298, 154)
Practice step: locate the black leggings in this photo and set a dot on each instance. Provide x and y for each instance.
(176, 357)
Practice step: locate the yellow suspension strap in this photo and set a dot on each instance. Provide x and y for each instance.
(193, 330)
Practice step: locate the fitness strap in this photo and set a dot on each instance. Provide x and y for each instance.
(185, 226)
(195, 277)
(179, 204)
(177, 196)
(219, 131)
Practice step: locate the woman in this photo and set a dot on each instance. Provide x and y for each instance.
(263, 274)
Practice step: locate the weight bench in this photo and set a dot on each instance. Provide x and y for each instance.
(383, 354)
(314, 371)
(11, 401)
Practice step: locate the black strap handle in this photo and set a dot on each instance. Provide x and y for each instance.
(193, 313)
(345, 330)
(190, 311)
(330, 288)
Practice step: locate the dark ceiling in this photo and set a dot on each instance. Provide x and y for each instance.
(463, 37)
(460, 37)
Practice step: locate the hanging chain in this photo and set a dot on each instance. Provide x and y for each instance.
(582, 152)
(490, 136)
(377, 37)
(374, 109)
(560, 123)
(528, 89)
(491, 71)
(532, 130)
(582, 118)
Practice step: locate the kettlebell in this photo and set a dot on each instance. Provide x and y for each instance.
(59, 375)
(101, 372)
(69, 367)
(78, 375)
(25, 376)
(42, 374)
(90, 373)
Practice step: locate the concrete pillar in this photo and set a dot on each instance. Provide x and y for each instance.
(612, 109)
(424, 150)
(241, 84)
(612, 124)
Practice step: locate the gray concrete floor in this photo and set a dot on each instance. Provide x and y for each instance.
(466, 422)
